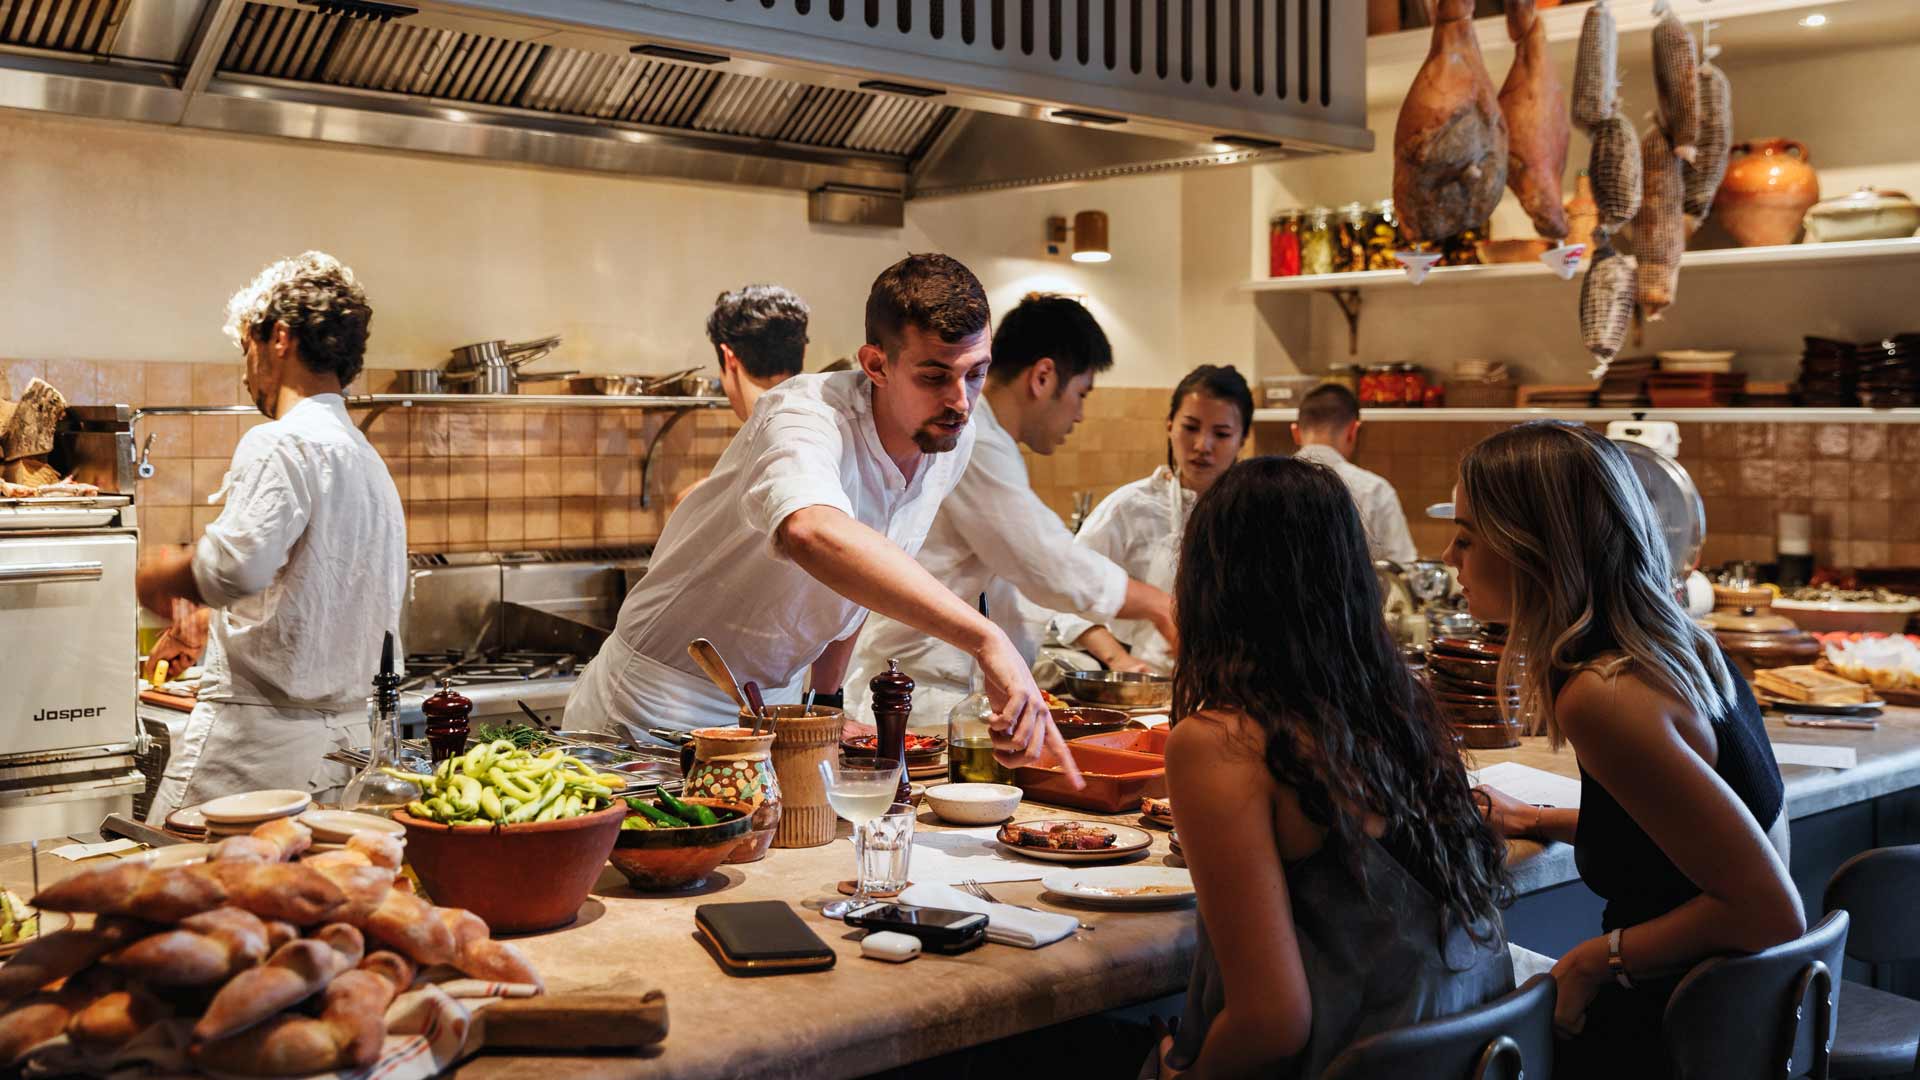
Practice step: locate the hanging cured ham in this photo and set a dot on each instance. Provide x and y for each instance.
(1450, 145)
(1704, 173)
(1659, 232)
(1596, 70)
(1676, 77)
(1535, 106)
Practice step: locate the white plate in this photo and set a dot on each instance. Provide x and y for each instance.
(1127, 841)
(253, 807)
(175, 855)
(339, 826)
(1117, 886)
(51, 922)
(1818, 709)
(53, 517)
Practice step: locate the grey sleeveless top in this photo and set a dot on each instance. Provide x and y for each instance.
(1370, 965)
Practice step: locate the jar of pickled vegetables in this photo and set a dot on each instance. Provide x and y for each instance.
(1413, 385)
(1350, 239)
(1284, 244)
(1347, 375)
(1383, 236)
(1316, 242)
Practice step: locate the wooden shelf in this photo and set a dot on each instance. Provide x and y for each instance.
(1755, 415)
(1799, 255)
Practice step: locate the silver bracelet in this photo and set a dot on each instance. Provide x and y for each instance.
(1614, 963)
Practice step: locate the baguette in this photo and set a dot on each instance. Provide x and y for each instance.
(298, 971)
(406, 924)
(347, 1035)
(478, 955)
(366, 888)
(290, 892)
(327, 860)
(32, 1022)
(278, 840)
(109, 1022)
(380, 850)
(280, 934)
(58, 955)
(137, 890)
(203, 950)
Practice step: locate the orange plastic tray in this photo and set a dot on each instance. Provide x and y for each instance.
(1116, 779)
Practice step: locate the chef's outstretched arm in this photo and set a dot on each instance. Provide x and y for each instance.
(870, 570)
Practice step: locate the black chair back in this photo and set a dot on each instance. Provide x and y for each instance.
(1877, 890)
(1771, 1014)
(1506, 1039)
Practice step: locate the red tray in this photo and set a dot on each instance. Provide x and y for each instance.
(1116, 779)
(1137, 740)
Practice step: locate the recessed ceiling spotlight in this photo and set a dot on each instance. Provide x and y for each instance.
(1814, 21)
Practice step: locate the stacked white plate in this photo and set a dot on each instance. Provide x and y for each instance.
(333, 828)
(238, 815)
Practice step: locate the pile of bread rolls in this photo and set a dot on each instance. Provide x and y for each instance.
(285, 965)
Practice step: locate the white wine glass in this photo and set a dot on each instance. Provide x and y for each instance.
(860, 787)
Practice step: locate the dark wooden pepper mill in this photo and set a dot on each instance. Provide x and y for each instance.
(892, 696)
(448, 713)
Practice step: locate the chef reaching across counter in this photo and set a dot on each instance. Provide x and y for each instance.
(303, 571)
(1140, 524)
(1327, 431)
(811, 518)
(993, 535)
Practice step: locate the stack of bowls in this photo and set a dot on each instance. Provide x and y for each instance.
(333, 828)
(1464, 673)
(1829, 373)
(238, 815)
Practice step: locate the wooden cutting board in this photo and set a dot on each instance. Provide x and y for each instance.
(572, 1022)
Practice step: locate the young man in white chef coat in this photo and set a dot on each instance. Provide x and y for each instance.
(993, 535)
(304, 570)
(812, 518)
(1327, 431)
(759, 336)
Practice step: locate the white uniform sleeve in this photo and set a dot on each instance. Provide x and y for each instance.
(1106, 532)
(1001, 520)
(268, 504)
(1387, 526)
(794, 462)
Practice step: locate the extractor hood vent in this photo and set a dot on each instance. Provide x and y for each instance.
(894, 98)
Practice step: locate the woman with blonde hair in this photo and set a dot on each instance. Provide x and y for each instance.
(1681, 825)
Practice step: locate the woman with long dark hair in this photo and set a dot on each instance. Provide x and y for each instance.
(1346, 880)
(1139, 525)
(1681, 826)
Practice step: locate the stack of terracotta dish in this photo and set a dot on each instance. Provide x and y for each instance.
(239, 815)
(1464, 673)
(187, 823)
(1829, 373)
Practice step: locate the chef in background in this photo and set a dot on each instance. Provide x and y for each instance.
(1139, 526)
(811, 518)
(993, 535)
(759, 336)
(1327, 430)
(305, 567)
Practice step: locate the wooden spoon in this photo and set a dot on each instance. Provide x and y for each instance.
(757, 703)
(710, 661)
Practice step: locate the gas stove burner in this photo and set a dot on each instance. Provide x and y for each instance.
(426, 670)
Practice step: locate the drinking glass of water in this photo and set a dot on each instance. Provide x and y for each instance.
(860, 788)
(886, 850)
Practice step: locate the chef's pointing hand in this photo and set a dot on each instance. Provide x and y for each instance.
(1023, 729)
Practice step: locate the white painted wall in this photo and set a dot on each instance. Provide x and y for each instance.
(123, 242)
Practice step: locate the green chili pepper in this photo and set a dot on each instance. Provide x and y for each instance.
(691, 812)
(656, 815)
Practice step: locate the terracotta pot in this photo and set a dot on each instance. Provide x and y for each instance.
(662, 859)
(478, 867)
(735, 765)
(1769, 186)
(802, 739)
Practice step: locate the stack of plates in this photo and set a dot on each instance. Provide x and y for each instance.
(333, 828)
(238, 815)
(1696, 361)
(1464, 674)
(1625, 384)
(1890, 372)
(187, 823)
(1695, 390)
(1829, 371)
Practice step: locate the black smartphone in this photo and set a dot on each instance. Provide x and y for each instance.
(762, 937)
(940, 930)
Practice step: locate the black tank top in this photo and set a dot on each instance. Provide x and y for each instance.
(1622, 864)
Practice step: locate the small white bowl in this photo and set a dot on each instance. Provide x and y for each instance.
(974, 804)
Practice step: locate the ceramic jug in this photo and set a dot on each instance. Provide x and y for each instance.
(1769, 186)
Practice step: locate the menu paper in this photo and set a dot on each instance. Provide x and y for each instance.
(953, 856)
(77, 852)
(1826, 757)
(1529, 785)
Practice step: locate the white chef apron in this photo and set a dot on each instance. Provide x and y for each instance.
(228, 747)
(623, 692)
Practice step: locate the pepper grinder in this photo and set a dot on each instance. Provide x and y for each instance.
(892, 696)
(448, 713)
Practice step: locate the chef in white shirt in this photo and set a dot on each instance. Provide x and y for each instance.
(993, 535)
(1327, 430)
(810, 519)
(304, 569)
(1139, 526)
(759, 337)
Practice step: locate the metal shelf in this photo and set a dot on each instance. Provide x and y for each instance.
(1808, 415)
(1755, 257)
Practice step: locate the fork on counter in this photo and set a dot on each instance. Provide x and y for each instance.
(979, 892)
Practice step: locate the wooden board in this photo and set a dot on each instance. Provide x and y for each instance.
(176, 702)
(572, 1022)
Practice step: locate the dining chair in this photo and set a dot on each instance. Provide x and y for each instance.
(1742, 1017)
(1509, 1038)
(1879, 1033)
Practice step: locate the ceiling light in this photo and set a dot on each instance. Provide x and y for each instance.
(1089, 232)
(1814, 21)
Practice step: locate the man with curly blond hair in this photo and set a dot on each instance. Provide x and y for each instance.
(301, 576)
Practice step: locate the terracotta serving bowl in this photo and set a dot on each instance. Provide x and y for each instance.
(665, 859)
(481, 867)
(1081, 720)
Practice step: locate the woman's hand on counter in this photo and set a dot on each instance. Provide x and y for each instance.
(1511, 818)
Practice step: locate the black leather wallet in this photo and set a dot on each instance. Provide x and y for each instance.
(762, 937)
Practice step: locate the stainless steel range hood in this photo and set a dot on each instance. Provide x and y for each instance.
(878, 100)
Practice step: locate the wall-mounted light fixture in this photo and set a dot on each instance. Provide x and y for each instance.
(1089, 235)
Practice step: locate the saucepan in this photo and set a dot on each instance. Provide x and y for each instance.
(1126, 689)
(493, 367)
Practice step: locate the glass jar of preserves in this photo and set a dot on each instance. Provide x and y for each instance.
(1284, 244)
(1383, 236)
(1316, 242)
(1463, 249)
(1350, 239)
(1413, 385)
(1347, 375)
